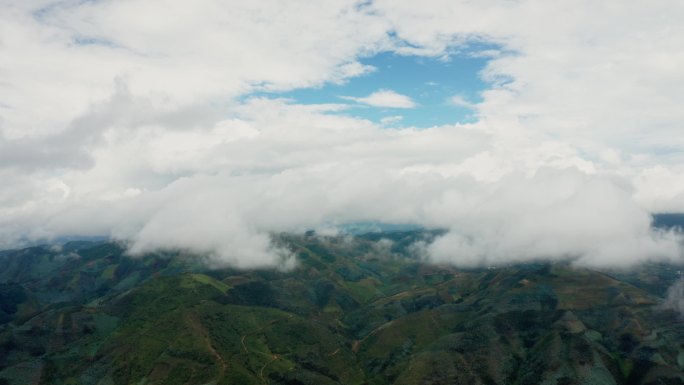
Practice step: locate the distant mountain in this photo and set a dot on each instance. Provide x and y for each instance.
(353, 312)
(668, 220)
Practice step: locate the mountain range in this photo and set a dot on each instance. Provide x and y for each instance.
(359, 309)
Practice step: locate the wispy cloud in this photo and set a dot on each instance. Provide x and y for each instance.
(388, 120)
(461, 101)
(384, 98)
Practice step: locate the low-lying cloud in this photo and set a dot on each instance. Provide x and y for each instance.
(146, 131)
(675, 297)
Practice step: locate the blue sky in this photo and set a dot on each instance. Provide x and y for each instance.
(429, 82)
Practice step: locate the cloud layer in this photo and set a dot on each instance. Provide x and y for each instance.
(133, 119)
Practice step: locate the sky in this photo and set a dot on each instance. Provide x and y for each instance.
(401, 91)
(526, 129)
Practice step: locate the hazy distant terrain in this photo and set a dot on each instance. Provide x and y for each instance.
(355, 310)
(668, 220)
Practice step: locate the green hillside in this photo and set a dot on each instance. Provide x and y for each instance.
(354, 311)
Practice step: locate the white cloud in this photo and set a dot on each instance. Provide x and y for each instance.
(675, 297)
(389, 120)
(142, 133)
(173, 52)
(384, 98)
(586, 74)
(560, 213)
(460, 101)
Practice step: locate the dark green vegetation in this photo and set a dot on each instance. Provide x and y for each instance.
(354, 311)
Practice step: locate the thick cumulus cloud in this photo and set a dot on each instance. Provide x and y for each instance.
(133, 119)
(589, 219)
